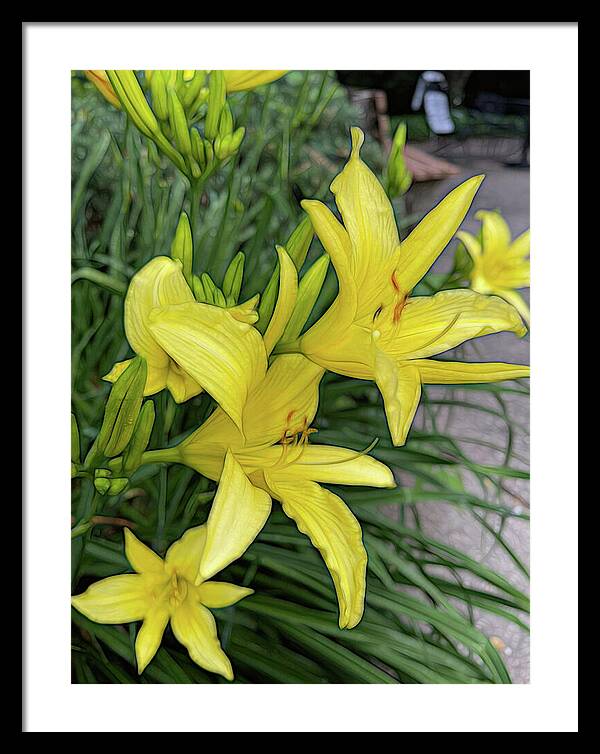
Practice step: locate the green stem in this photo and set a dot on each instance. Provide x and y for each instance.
(196, 189)
(163, 455)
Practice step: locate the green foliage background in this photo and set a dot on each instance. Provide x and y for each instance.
(418, 625)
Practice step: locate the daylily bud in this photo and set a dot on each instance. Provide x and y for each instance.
(198, 289)
(297, 249)
(198, 148)
(209, 151)
(122, 409)
(226, 121)
(75, 444)
(130, 93)
(102, 485)
(216, 100)
(232, 282)
(308, 292)
(158, 90)
(193, 88)
(178, 121)
(140, 438)
(236, 139)
(210, 289)
(132, 98)
(182, 247)
(194, 167)
(116, 486)
(115, 465)
(399, 177)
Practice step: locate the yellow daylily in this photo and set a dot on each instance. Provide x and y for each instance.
(500, 265)
(243, 81)
(165, 590)
(100, 80)
(374, 329)
(275, 460)
(189, 346)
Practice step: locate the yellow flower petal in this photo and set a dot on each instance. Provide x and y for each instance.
(286, 299)
(246, 311)
(336, 241)
(432, 324)
(350, 354)
(195, 628)
(520, 246)
(435, 372)
(221, 594)
(471, 244)
(117, 599)
(495, 232)
(242, 81)
(400, 386)
(150, 635)
(184, 555)
(159, 283)
(181, 386)
(226, 357)
(369, 220)
(141, 558)
(335, 532)
(517, 301)
(238, 513)
(284, 401)
(367, 214)
(331, 465)
(431, 236)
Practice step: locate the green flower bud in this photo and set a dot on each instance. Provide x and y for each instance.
(210, 289)
(158, 90)
(122, 409)
(102, 485)
(225, 121)
(198, 148)
(198, 289)
(141, 438)
(182, 247)
(297, 248)
(178, 121)
(116, 486)
(232, 282)
(236, 139)
(217, 93)
(398, 176)
(308, 292)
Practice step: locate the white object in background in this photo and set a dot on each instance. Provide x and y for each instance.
(430, 93)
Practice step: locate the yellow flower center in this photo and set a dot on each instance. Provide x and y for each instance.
(178, 589)
(295, 436)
